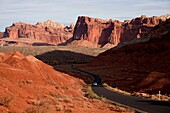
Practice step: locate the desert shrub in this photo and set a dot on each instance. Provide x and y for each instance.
(90, 94)
(52, 83)
(5, 100)
(68, 111)
(66, 100)
(55, 95)
(58, 108)
(57, 87)
(64, 87)
(77, 98)
(36, 110)
(71, 105)
(36, 102)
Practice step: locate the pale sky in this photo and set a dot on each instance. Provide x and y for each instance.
(67, 11)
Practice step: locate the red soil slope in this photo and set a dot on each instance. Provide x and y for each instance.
(27, 85)
(146, 63)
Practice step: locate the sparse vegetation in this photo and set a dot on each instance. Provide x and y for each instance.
(59, 97)
(68, 111)
(52, 83)
(59, 108)
(5, 101)
(36, 102)
(118, 108)
(77, 98)
(116, 89)
(64, 87)
(90, 94)
(36, 109)
(66, 100)
(53, 95)
(146, 95)
(71, 105)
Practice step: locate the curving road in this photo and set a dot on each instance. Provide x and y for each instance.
(141, 105)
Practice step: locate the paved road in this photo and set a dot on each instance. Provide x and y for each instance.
(136, 103)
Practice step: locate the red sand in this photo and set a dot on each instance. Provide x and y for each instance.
(27, 85)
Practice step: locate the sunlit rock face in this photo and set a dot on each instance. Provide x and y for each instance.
(101, 32)
(47, 32)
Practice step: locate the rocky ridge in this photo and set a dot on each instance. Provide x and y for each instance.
(105, 32)
(47, 32)
(144, 63)
(86, 32)
(50, 23)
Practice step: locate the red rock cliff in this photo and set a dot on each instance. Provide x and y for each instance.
(145, 62)
(1, 34)
(100, 32)
(47, 32)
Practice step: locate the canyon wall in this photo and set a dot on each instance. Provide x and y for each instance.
(105, 32)
(86, 32)
(47, 32)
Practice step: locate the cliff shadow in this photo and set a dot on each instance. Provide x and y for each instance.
(66, 42)
(157, 103)
(42, 44)
(130, 34)
(105, 35)
(61, 60)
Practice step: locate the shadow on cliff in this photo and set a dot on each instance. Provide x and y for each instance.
(60, 57)
(105, 35)
(66, 42)
(42, 44)
(62, 60)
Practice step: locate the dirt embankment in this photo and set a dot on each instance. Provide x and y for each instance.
(27, 85)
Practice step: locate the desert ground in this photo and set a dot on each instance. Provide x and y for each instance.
(28, 85)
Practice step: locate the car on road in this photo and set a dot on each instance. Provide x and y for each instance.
(94, 83)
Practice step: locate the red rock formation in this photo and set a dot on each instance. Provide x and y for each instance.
(90, 32)
(101, 32)
(50, 23)
(47, 32)
(1, 34)
(140, 58)
(94, 30)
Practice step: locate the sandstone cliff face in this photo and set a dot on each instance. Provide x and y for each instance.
(1, 34)
(50, 23)
(88, 32)
(47, 32)
(100, 32)
(94, 30)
